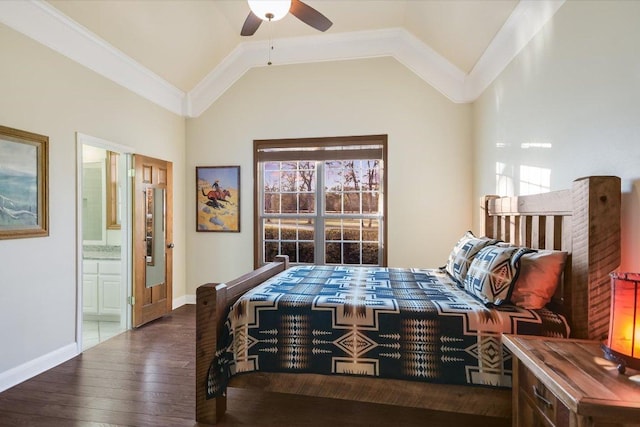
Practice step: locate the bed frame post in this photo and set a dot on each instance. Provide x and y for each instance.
(284, 259)
(596, 253)
(487, 224)
(211, 302)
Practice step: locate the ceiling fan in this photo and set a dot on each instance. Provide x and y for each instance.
(264, 10)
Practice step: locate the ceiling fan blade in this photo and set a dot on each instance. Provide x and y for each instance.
(251, 25)
(310, 16)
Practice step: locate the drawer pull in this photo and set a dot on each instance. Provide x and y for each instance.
(541, 398)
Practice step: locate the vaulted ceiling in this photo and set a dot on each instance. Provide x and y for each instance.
(182, 54)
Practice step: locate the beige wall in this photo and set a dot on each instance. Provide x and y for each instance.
(429, 153)
(46, 93)
(575, 87)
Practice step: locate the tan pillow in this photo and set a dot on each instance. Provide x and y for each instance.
(540, 274)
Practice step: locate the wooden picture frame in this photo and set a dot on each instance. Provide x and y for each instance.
(218, 198)
(24, 187)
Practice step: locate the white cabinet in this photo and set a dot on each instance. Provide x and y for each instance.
(90, 294)
(102, 289)
(109, 295)
(90, 287)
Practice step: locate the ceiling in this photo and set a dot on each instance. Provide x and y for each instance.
(182, 41)
(194, 51)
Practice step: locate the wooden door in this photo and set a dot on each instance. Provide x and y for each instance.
(152, 236)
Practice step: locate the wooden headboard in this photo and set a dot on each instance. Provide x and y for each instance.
(585, 222)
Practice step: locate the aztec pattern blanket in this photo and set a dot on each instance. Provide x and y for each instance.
(410, 324)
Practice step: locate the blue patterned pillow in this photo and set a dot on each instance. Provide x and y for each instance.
(463, 253)
(493, 272)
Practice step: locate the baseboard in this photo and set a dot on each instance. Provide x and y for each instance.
(37, 366)
(185, 299)
(102, 317)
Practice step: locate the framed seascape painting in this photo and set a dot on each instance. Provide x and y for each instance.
(218, 198)
(23, 184)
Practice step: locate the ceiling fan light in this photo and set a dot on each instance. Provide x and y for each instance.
(270, 10)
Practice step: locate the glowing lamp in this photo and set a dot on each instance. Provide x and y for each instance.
(270, 10)
(623, 343)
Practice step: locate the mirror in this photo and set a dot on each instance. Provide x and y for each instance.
(93, 203)
(148, 224)
(155, 236)
(114, 201)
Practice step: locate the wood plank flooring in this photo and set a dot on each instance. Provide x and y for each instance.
(145, 377)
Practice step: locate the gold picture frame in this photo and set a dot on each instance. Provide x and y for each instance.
(218, 198)
(24, 187)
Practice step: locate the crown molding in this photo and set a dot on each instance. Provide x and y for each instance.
(45, 24)
(526, 20)
(396, 42)
(48, 26)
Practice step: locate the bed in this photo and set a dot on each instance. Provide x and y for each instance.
(582, 222)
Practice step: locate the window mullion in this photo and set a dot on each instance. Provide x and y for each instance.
(319, 228)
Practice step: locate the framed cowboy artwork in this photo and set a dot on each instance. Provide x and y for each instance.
(218, 198)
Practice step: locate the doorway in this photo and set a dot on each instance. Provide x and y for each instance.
(104, 242)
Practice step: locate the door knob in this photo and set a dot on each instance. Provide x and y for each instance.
(170, 245)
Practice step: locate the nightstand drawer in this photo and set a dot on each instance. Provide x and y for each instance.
(546, 409)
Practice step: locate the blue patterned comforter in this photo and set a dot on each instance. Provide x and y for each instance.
(410, 324)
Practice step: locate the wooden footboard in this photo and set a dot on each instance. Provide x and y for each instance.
(212, 303)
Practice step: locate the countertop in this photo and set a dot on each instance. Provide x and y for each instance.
(100, 252)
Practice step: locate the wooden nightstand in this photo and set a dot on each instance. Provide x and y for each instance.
(565, 382)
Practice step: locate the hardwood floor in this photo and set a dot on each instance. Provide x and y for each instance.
(145, 377)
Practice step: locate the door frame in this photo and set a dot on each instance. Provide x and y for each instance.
(125, 228)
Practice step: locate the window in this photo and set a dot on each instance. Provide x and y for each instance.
(321, 200)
